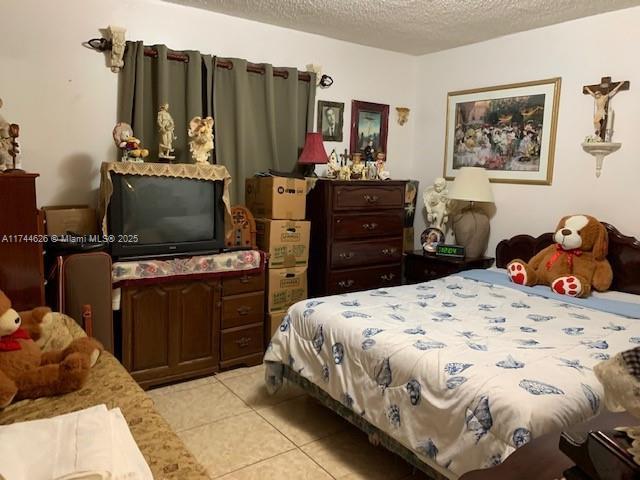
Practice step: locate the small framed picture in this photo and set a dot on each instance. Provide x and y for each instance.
(430, 239)
(369, 127)
(330, 120)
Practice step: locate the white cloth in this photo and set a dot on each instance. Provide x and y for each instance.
(90, 444)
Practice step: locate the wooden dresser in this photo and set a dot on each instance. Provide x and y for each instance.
(21, 241)
(356, 235)
(175, 331)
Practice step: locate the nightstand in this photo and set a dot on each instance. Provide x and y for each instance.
(422, 267)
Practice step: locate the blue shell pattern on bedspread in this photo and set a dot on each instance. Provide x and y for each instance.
(499, 366)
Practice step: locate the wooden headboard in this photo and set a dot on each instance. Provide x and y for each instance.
(624, 255)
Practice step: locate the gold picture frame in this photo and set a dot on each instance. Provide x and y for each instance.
(510, 130)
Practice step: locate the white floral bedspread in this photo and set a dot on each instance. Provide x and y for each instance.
(459, 371)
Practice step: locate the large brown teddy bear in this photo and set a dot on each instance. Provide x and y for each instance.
(27, 372)
(574, 264)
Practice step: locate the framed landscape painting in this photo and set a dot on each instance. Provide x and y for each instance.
(510, 130)
(369, 125)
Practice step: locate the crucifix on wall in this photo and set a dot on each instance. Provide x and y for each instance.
(602, 94)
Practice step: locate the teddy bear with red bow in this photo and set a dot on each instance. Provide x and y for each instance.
(26, 371)
(575, 264)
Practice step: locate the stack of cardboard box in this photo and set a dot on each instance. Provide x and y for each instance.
(278, 205)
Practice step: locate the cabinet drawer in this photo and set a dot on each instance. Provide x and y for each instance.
(347, 197)
(243, 284)
(242, 341)
(368, 225)
(351, 254)
(242, 309)
(364, 279)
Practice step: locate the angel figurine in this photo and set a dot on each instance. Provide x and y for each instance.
(201, 135)
(166, 127)
(436, 201)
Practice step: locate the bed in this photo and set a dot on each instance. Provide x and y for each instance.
(455, 374)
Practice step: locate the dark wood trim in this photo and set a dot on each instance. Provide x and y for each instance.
(624, 255)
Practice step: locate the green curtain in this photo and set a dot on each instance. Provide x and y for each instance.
(148, 82)
(260, 120)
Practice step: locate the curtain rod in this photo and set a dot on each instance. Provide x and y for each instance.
(251, 67)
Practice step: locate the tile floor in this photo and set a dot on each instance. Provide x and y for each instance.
(240, 432)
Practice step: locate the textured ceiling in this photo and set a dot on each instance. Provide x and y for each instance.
(411, 26)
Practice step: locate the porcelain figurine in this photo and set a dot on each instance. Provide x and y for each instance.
(9, 146)
(436, 202)
(357, 167)
(201, 135)
(166, 127)
(381, 161)
(130, 146)
(333, 166)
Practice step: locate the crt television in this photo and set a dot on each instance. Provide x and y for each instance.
(156, 216)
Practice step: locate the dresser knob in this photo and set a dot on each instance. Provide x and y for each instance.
(346, 255)
(371, 198)
(346, 283)
(244, 310)
(370, 226)
(244, 279)
(387, 277)
(389, 251)
(243, 342)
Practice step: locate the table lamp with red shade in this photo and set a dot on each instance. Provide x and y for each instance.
(312, 154)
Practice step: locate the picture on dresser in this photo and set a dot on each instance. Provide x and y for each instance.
(369, 127)
(330, 120)
(509, 130)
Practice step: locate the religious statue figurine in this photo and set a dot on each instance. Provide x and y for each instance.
(132, 150)
(369, 152)
(118, 44)
(9, 146)
(166, 127)
(381, 160)
(333, 166)
(602, 94)
(357, 167)
(436, 202)
(201, 135)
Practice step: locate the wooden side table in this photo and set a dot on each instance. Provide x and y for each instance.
(422, 267)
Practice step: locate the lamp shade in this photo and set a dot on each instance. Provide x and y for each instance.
(313, 152)
(472, 184)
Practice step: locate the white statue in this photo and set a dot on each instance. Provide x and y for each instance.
(201, 135)
(333, 167)
(118, 43)
(436, 201)
(166, 127)
(8, 145)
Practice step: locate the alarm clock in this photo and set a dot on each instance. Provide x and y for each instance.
(443, 250)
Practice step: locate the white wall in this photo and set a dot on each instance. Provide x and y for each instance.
(581, 52)
(64, 97)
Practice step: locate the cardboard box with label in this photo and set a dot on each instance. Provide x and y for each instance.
(78, 219)
(274, 320)
(286, 241)
(277, 198)
(285, 286)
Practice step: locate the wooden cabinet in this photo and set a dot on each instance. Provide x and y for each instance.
(422, 267)
(356, 235)
(21, 230)
(175, 331)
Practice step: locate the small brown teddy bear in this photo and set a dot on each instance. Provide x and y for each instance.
(27, 372)
(574, 264)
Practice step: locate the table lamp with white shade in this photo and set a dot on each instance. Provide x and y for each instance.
(471, 225)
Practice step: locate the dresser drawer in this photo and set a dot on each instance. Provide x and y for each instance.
(364, 279)
(349, 197)
(242, 309)
(243, 284)
(370, 252)
(368, 224)
(242, 341)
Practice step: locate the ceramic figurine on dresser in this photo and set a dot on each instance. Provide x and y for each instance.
(357, 167)
(201, 135)
(333, 165)
(166, 126)
(130, 146)
(9, 146)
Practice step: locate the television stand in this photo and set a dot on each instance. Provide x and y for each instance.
(177, 329)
